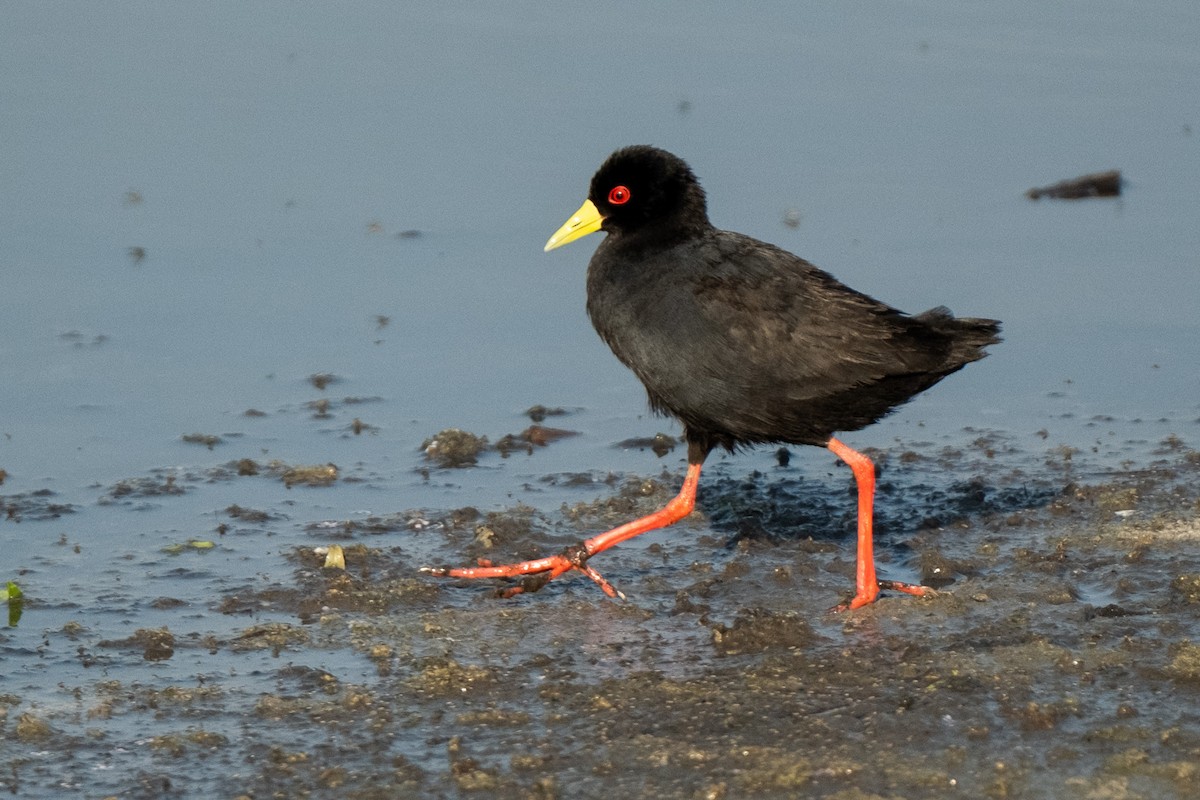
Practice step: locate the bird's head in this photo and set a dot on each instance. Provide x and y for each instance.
(637, 189)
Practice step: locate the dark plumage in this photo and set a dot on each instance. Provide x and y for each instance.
(740, 340)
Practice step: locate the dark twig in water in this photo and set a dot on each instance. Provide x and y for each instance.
(1097, 184)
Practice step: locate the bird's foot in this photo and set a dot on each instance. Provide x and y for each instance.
(533, 574)
(866, 598)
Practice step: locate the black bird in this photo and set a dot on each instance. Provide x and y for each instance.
(742, 342)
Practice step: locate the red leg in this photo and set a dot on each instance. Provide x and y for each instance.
(866, 585)
(543, 570)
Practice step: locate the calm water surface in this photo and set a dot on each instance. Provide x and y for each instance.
(203, 205)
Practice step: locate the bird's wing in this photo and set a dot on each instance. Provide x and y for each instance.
(786, 323)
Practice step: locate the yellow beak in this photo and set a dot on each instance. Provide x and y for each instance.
(584, 221)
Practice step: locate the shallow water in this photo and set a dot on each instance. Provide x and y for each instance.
(205, 206)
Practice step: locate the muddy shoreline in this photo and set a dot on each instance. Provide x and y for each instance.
(1058, 659)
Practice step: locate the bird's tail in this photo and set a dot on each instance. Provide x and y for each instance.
(970, 335)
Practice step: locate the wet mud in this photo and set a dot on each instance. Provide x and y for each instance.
(1060, 657)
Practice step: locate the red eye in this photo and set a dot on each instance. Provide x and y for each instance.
(619, 195)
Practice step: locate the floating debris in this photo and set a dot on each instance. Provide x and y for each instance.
(80, 340)
(454, 447)
(247, 514)
(309, 475)
(33, 505)
(1185, 589)
(322, 379)
(156, 644)
(541, 436)
(533, 436)
(142, 487)
(15, 599)
(1098, 184)
(191, 544)
(274, 636)
(320, 408)
(335, 558)
(660, 444)
(539, 412)
(207, 439)
(32, 728)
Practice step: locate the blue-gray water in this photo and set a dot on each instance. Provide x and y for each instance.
(201, 205)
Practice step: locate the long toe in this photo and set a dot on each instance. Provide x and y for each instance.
(866, 598)
(908, 588)
(533, 575)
